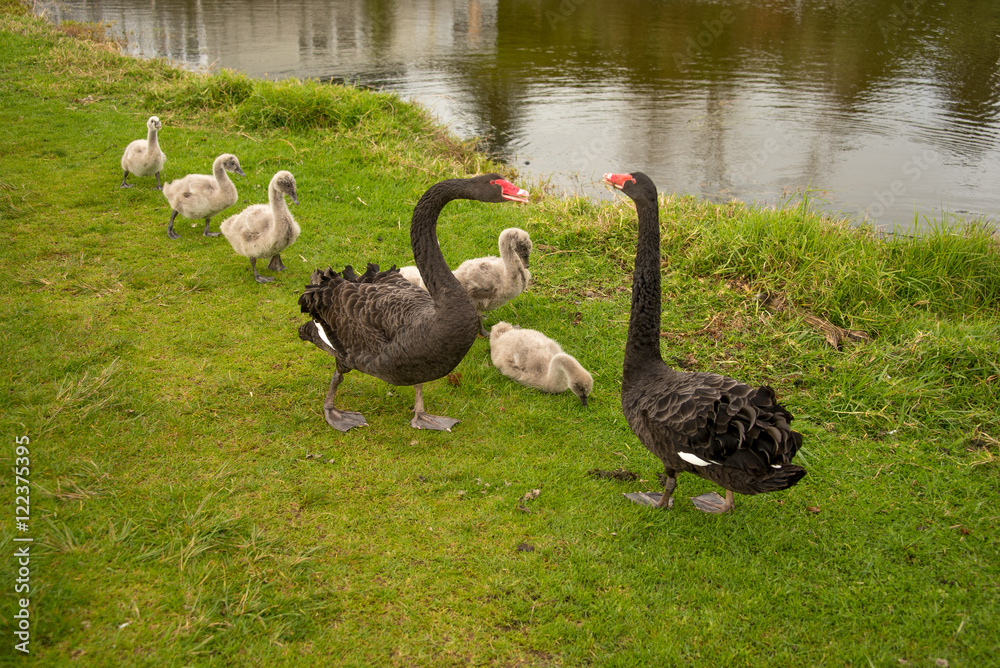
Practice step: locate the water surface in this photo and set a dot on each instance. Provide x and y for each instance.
(886, 108)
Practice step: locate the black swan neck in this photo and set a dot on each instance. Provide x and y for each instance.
(643, 342)
(427, 254)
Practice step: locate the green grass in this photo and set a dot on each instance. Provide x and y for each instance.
(191, 507)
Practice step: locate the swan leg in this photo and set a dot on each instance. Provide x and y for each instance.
(422, 420)
(711, 502)
(482, 330)
(125, 185)
(339, 420)
(655, 500)
(276, 264)
(206, 232)
(667, 500)
(170, 227)
(158, 186)
(257, 277)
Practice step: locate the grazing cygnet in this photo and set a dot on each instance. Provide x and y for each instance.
(199, 196)
(143, 157)
(493, 281)
(412, 274)
(264, 230)
(535, 360)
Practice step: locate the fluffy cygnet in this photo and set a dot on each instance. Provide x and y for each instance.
(199, 196)
(493, 281)
(264, 230)
(535, 360)
(412, 274)
(143, 157)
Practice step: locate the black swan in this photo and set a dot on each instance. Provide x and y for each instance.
(198, 196)
(264, 230)
(535, 360)
(706, 424)
(143, 157)
(382, 325)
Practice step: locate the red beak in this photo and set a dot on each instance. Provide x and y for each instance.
(618, 180)
(510, 191)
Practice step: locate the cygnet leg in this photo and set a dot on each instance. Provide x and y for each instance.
(257, 277)
(276, 264)
(206, 232)
(170, 227)
(125, 185)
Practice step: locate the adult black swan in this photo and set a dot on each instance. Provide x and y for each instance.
(706, 424)
(382, 325)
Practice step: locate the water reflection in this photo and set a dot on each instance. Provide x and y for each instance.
(886, 107)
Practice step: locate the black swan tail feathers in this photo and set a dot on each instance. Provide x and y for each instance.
(314, 333)
(781, 478)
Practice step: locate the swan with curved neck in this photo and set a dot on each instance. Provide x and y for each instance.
(198, 196)
(382, 325)
(143, 157)
(533, 359)
(716, 427)
(264, 230)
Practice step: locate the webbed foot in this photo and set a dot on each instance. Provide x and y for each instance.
(423, 420)
(710, 502)
(276, 264)
(645, 498)
(652, 499)
(343, 420)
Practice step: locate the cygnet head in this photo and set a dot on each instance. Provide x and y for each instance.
(154, 123)
(500, 328)
(581, 383)
(517, 240)
(582, 388)
(231, 163)
(285, 182)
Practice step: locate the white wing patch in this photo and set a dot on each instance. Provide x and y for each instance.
(322, 334)
(692, 459)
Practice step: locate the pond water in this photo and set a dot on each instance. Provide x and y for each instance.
(884, 108)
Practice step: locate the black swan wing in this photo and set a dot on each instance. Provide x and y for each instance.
(709, 419)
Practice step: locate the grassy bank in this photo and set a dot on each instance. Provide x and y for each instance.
(189, 505)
